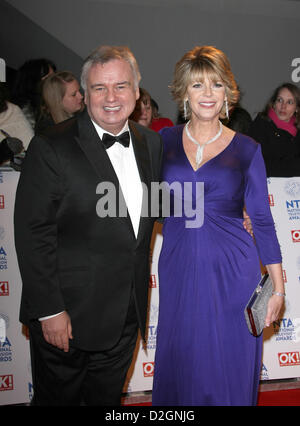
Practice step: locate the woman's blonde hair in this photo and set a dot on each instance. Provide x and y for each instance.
(53, 91)
(192, 67)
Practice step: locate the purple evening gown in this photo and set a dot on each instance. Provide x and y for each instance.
(205, 354)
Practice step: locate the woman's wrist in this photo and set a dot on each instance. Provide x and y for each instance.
(278, 293)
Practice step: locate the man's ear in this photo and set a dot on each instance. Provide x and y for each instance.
(137, 93)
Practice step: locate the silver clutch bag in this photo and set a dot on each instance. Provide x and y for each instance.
(256, 309)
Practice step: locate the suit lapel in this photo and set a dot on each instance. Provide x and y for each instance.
(144, 166)
(141, 153)
(92, 147)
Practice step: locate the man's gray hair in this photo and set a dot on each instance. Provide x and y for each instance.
(104, 54)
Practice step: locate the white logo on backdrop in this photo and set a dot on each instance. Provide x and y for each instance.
(292, 188)
(295, 76)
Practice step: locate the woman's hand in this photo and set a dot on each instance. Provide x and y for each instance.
(276, 302)
(247, 223)
(274, 307)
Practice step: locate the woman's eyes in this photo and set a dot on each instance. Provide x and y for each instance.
(216, 85)
(281, 101)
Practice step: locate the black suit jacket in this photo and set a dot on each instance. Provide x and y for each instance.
(70, 258)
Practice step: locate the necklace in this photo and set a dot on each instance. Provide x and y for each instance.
(200, 149)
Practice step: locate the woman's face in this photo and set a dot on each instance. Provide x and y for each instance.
(285, 105)
(206, 98)
(143, 112)
(73, 99)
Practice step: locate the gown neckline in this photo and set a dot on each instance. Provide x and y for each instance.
(208, 161)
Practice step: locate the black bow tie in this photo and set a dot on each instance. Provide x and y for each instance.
(109, 140)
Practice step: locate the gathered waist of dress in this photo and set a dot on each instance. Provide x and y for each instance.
(230, 208)
(233, 209)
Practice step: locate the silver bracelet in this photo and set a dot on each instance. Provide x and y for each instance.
(277, 293)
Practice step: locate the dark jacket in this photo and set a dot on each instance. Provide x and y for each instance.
(70, 258)
(281, 151)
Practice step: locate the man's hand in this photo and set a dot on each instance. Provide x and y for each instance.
(58, 330)
(247, 223)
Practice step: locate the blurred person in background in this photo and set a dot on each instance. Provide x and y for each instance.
(12, 120)
(146, 113)
(158, 122)
(239, 120)
(26, 88)
(276, 128)
(61, 99)
(142, 113)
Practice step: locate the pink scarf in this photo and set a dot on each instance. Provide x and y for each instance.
(284, 125)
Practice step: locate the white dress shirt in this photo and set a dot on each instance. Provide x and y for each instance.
(125, 166)
(124, 163)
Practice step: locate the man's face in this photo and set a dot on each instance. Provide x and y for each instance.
(110, 94)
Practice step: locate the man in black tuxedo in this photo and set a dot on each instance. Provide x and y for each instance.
(85, 273)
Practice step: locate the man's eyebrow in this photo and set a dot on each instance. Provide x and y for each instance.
(117, 84)
(96, 85)
(123, 83)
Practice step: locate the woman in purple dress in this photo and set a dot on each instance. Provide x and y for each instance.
(205, 354)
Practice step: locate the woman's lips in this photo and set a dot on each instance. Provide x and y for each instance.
(207, 104)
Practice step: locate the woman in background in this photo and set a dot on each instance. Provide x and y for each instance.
(61, 99)
(12, 120)
(142, 113)
(26, 90)
(276, 128)
(146, 113)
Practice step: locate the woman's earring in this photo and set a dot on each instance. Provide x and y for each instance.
(226, 109)
(185, 109)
